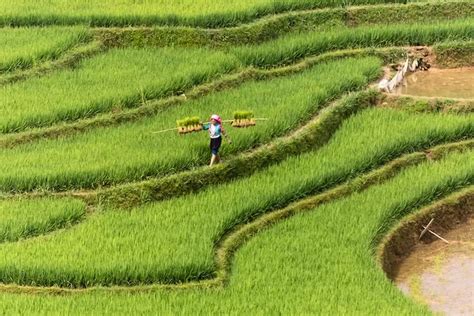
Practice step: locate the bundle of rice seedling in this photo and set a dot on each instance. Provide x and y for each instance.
(243, 119)
(189, 125)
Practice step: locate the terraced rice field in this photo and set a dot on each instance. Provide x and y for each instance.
(23, 47)
(200, 12)
(97, 205)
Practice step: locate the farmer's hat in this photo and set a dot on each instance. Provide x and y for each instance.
(217, 118)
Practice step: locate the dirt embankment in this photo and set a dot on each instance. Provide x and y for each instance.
(440, 274)
(449, 214)
(434, 272)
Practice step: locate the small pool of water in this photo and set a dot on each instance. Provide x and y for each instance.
(441, 275)
(447, 83)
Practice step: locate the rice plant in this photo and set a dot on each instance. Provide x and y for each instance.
(202, 13)
(25, 218)
(115, 80)
(172, 241)
(291, 48)
(132, 152)
(321, 262)
(20, 48)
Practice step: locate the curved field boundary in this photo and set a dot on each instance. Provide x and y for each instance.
(23, 218)
(69, 59)
(153, 107)
(256, 32)
(416, 104)
(399, 242)
(275, 26)
(313, 135)
(288, 49)
(234, 239)
(260, 56)
(60, 41)
(210, 20)
(454, 54)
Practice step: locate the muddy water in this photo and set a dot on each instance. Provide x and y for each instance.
(448, 83)
(441, 275)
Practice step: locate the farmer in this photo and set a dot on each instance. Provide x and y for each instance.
(215, 132)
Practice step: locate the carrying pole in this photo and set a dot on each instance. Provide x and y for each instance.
(165, 130)
(224, 121)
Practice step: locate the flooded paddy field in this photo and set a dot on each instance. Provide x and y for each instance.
(441, 275)
(446, 83)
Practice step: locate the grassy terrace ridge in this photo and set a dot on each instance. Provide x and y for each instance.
(128, 152)
(68, 59)
(293, 22)
(217, 13)
(21, 48)
(266, 55)
(115, 80)
(416, 104)
(99, 215)
(290, 48)
(311, 136)
(186, 236)
(234, 239)
(354, 220)
(26, 218)
(455, 54)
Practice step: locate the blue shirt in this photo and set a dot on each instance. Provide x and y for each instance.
(215, 130)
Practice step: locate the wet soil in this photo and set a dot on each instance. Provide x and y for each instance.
(442, 275)
(447, 83)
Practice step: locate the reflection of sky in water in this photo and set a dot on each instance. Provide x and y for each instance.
(450, 83)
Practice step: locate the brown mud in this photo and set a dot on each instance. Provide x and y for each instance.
(431, 271)
(441, 275)
(445, 83)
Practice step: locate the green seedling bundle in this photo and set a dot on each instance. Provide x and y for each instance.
(131, 152)
(194, 124)
(93, 203)
(243, 119)
(189, 125)
(186, 227)
(118, 79)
